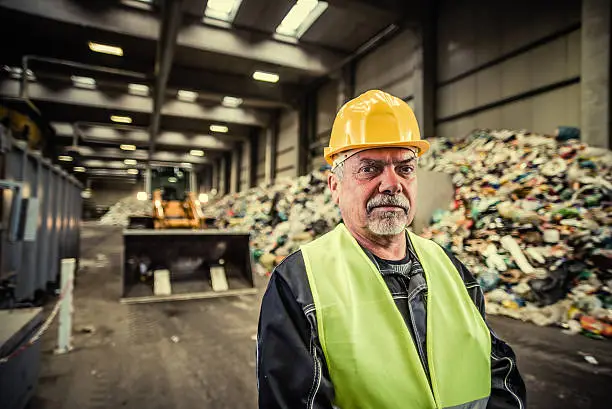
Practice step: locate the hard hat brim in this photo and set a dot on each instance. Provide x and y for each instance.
(422, 146)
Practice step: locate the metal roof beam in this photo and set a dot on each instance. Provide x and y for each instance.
(122, 102)
(166, 44)
(242, 116)
(197, 36)
(277, 95)
(139, 155)
(101, 133)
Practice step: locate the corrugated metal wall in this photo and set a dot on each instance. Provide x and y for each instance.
(499, 65)
(508, 64)
(390, 67)
(287, 144)
(34, 264)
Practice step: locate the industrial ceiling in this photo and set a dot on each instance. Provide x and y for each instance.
(130, 82)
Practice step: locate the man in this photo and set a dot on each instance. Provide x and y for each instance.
(370, 315)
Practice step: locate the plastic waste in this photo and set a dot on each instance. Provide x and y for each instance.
(551, 236)
(531, 216)
(553, 197)
(513, 248)
(565, 133)
(488, 280)
(573, 327)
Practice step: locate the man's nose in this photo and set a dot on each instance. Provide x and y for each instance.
(389, 182)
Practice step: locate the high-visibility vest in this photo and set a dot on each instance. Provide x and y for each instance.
(371, 357)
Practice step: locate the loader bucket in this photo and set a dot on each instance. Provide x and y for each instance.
(188, 264)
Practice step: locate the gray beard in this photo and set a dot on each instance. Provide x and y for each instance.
(388, 223)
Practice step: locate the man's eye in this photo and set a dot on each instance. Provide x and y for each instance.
(368, 169)
(406, 170)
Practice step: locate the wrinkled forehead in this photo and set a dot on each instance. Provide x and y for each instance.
(387, 155)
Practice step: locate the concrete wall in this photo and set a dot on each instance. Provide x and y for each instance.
(507, 64)
(390, 67)
(435, 191)
(109, 192)
(287, 144)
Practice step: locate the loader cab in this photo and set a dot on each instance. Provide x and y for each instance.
(172, 182)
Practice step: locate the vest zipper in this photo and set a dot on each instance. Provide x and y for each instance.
(316, 383)
(414, 332)
(420, 348)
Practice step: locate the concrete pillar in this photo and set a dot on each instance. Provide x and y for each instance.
(147, 181)
(307, 131)
(247, 156)
(270, 133)
(235, 171)
(346, 85)
(595, 73)
(193, 182)
(223, 176)
(215, 175)
(424, 62)
(253, 156)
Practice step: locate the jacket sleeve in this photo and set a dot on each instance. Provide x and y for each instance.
(507, 386)
(291, 372)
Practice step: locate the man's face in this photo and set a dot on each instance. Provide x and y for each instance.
(377, 191)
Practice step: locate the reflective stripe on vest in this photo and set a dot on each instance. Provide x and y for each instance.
(371, 358)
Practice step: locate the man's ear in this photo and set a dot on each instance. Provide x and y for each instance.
(334, 187)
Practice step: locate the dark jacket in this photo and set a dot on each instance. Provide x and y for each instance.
(291, 368)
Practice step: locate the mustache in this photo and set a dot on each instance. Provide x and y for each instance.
(387, 200)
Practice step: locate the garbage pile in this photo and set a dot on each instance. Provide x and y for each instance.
(119, 213)
(280, 217)
(532, 220)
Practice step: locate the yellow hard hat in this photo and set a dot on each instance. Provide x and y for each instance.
(374, 119)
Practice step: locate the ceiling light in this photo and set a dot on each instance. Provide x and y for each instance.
(139, 4)
(106, 49)
(232, 102)
(132, 171)
(203, 198)
(219, 128)
(127, 147)
(83, 82)
(65, 158)
(224, 10)
(188, 96)
(142, 196)
(300, 17)
(172, 179)
(265, 76)
(15, 72)
(196, 152)
(138, 89)
(79, 169)
(130, 161)
(121, 119)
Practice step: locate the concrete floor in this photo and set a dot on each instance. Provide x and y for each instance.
(131, 360)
